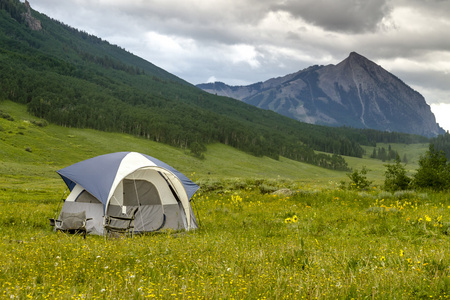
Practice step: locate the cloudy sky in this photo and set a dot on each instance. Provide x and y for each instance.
(241, 42)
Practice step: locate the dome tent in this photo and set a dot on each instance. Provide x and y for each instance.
(118, 183)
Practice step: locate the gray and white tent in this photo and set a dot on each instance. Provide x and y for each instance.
(118, 183)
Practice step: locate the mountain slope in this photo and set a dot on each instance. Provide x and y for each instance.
(356, 93)
(33, 151)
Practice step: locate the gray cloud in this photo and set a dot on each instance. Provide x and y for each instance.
(346, 15)
(434, 83)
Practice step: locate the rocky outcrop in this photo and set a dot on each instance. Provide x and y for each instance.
(32, 22)
(356, 93)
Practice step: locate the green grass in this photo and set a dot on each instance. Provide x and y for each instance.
(345, 244)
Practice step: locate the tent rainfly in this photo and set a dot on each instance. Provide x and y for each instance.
(118, 183)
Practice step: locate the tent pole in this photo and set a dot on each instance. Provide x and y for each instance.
(139, 203)
(59, 203)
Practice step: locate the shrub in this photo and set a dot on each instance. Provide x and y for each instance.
(40, 123)
(197, 150)
(267, 189)
(211, 185)
(395, 177)
(6, 116)
(358, 179)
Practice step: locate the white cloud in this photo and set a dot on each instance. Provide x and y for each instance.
(243, 54)
(211, 79)
(442, 112)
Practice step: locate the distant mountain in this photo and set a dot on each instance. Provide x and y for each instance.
(356, 93)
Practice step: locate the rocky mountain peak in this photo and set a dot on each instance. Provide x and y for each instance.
(356, 57)
(356, 62)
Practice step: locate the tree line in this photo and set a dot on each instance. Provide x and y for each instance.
(386, 155)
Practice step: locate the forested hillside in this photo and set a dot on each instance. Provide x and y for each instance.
(74, 79)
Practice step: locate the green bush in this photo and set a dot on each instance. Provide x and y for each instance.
(6, 116)
(197, 150)
(358, 179)
(40, 123)
(395, 177)
(267, 189)
(433, 172)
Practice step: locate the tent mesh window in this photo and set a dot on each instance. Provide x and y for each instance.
(86, 197)
(140, 192)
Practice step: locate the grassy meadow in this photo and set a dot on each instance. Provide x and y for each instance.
(268, 229)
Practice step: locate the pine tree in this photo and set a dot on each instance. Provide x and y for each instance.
(395, 177)
(434, 171)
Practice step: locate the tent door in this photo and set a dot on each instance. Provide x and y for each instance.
(143, 194)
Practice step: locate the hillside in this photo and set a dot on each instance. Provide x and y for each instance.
(356, 93)
(34, 150)
(74, 79)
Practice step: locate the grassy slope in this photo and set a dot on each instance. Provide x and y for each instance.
(53, 147)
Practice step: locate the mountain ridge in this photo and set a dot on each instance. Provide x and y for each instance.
(355, 92)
